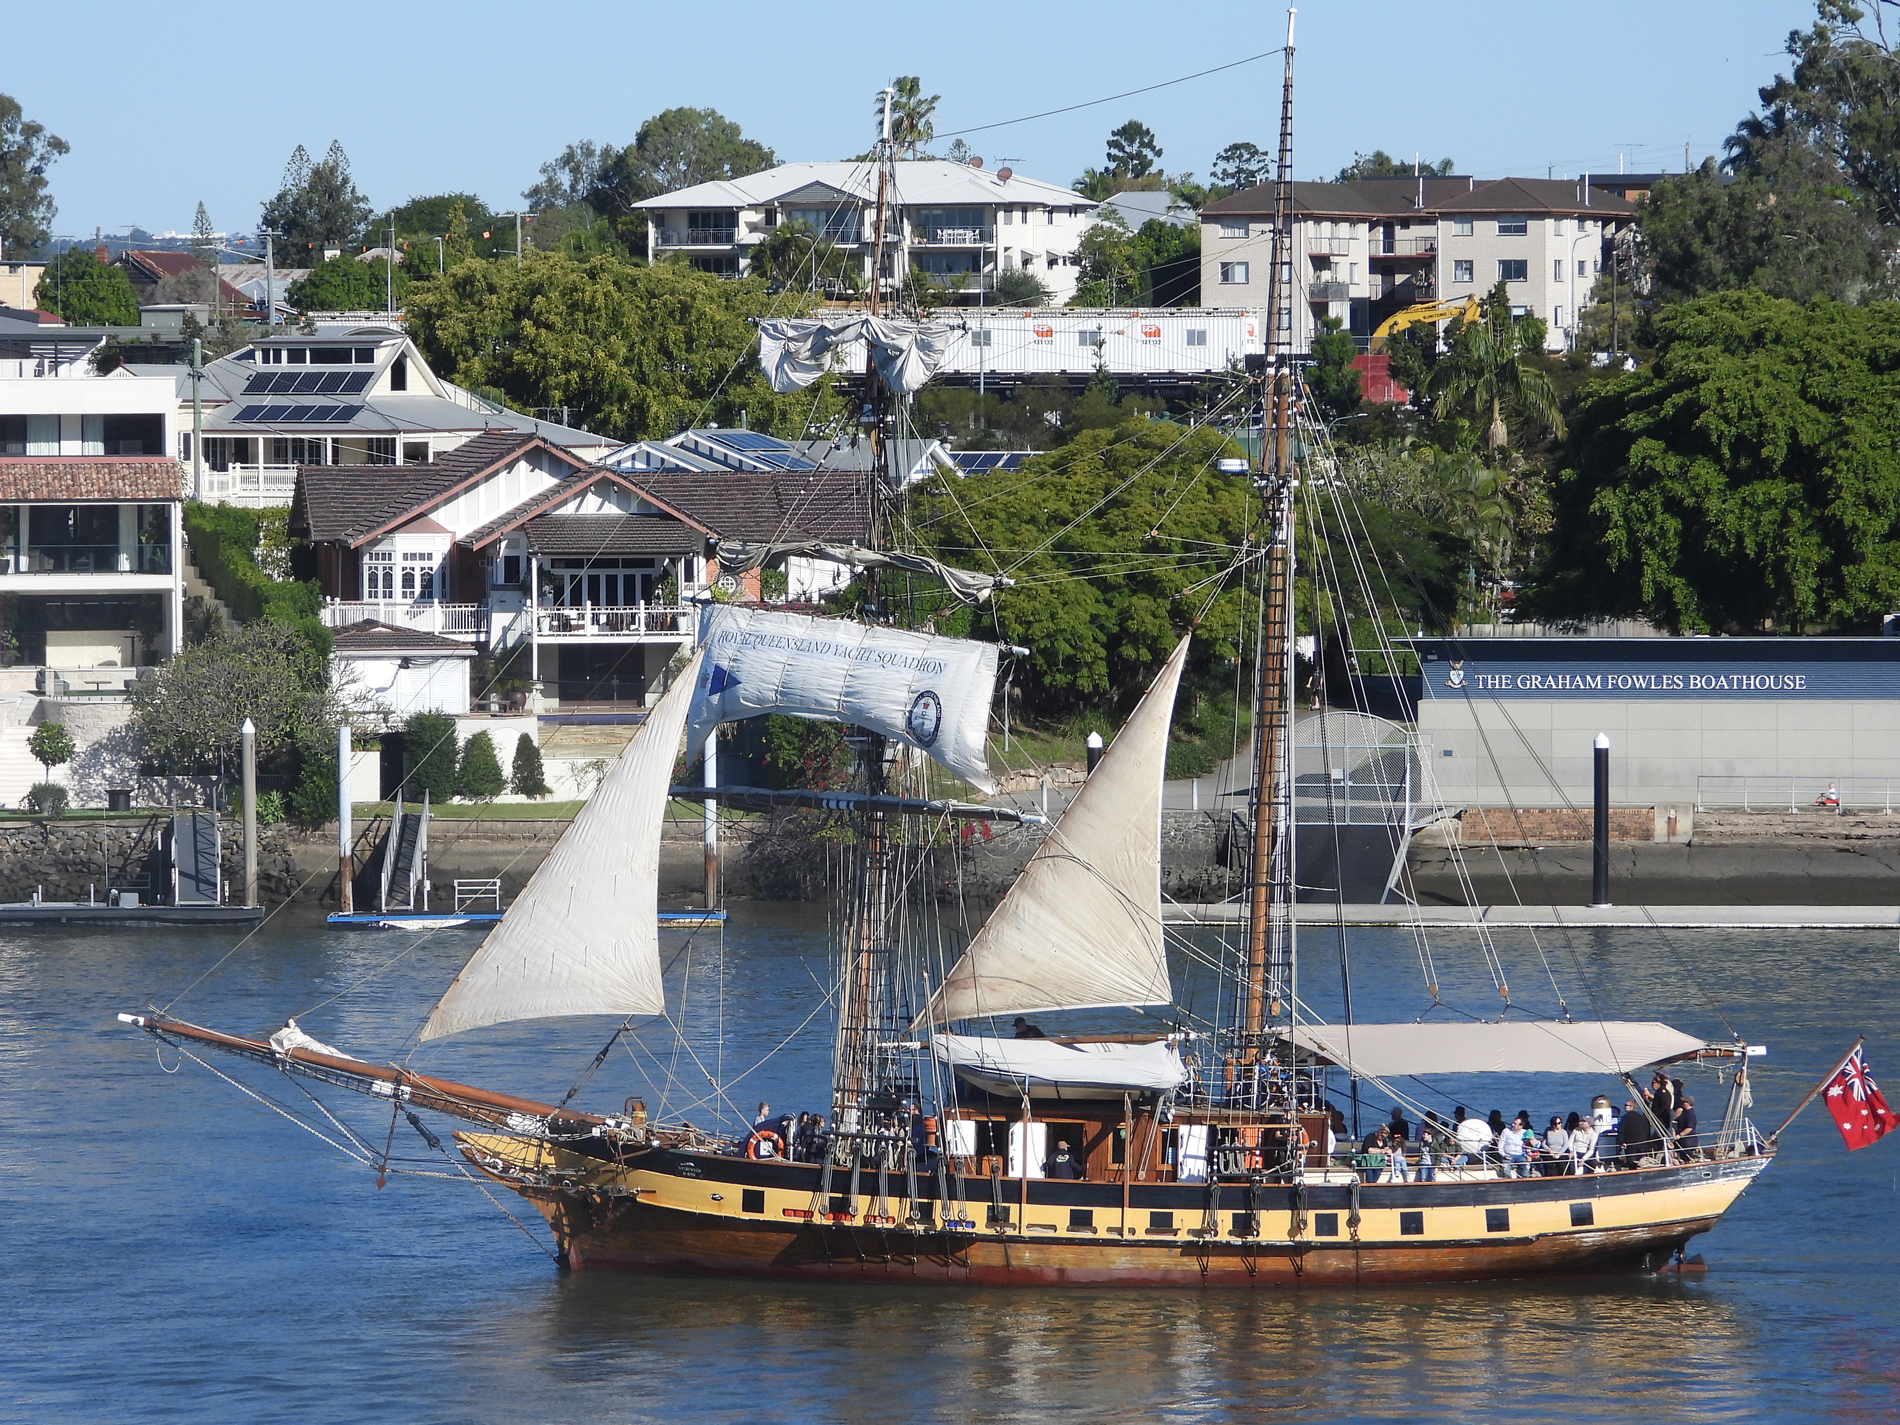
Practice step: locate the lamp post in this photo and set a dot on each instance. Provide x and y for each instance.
(519, 217)
(1600, 830)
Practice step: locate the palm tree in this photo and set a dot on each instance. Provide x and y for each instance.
(794, 257)
(912, 115)
(1485, 372)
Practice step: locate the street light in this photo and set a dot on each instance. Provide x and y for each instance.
(518, 217)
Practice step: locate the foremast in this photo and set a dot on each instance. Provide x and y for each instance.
(1268, 970)
(874, 1089)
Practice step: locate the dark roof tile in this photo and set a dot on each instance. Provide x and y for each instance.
(369, 636)
(90, 477)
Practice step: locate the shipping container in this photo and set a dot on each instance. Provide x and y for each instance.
(1011, 343)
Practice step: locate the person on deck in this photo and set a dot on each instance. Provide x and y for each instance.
(1583, 1143)
(764, 1116)
(1063, 1165)
(1687, 1139)
(1400, 1132)
(1511, 1148)
(1632, 1135)
(1431, 1146)
(1557, 1146)
(1026, 1030)
(1375, 1154)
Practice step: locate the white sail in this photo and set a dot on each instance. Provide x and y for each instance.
(929, 692)
(796, 351)
(1081, 927)
(583, 936)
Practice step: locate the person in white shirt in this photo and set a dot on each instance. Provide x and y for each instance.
(1511, 1148)
(1473, 1135)
(1583, 1143)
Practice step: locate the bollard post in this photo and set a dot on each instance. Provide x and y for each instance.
(1600, 841)
(249, 737)
(1094, 745)
(345, 833)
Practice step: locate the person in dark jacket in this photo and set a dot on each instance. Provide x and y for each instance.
(1063, 1164)
(1025, 1030)
(1633, 1135)
(1687, 1138)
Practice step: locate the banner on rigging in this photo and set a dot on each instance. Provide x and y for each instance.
(932, 693)
(1859, 1108)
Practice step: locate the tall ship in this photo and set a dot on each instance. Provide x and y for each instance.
(1192, 1149)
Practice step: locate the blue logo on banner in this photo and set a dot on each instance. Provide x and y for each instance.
(721, 680)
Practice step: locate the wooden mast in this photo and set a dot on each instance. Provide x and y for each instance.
(1269, 942)
(855, 1069)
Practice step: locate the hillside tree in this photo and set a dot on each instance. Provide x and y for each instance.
(27, 150)
(317, 204)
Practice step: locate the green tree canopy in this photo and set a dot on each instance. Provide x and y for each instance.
(1380, 164)
(1842, 98)
(1105, 536)
(435, 215)
(913, 115)
(1751, 474)
(1241, 165)
(1788, 224)
(674, 149)
(479, 777)
(317, 204)
(1133, 151)
(51, 745)
(343, 284)
(793, 256)
(26, 152)
(87, 292)
(527, 779)
(1487, 374)
(430, 750)
(190, 711)
(634, 351)
(1331, 378)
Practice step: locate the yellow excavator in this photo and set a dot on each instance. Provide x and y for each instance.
(1470, 309)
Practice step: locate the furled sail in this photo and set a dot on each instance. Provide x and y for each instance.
(737, 556)
(796, 352)
(1046, 1068)
(929, 692)
(1081, 927)
(583, 936)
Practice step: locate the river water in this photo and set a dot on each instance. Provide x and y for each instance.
(174, 1250)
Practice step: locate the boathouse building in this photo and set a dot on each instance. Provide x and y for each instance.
(1714, 722)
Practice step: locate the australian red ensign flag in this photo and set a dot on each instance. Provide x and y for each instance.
(1859, 1110)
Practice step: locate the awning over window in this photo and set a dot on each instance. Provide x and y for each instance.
(1384, 1051)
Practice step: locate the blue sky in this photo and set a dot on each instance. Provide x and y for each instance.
(474, 97)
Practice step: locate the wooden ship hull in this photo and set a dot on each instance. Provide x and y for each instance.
(668, 1212)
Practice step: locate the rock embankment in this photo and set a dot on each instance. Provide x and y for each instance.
(61, 859)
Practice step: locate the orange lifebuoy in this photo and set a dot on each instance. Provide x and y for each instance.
(759, 1137)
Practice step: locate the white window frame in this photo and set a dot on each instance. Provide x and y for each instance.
(1235, 274)
(1513, 225)
(1233, 227)
(1505, 263)
(1462, 227)
(1463, 269)
(1197, 336)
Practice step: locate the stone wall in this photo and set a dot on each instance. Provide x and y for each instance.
(62, 858)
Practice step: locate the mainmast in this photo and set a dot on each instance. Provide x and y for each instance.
(864, 1106)
(1268, 990)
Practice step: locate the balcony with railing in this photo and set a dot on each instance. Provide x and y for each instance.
(952, 237)
(584, 622)
(86, 559)
(1329, 246)
(252, 486)
(1392, 246)
(698, 237)
(1328, 291)
(467, 622)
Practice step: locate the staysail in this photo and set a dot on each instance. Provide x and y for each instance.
(583, 936)
(738, 556)
(1081, 927)
(929, 692)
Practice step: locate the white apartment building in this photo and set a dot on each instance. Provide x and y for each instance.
(1362, 251)
(950, 220)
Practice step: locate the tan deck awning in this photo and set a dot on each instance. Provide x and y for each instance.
(1383, 1051)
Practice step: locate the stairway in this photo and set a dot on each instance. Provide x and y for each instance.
(197, 586)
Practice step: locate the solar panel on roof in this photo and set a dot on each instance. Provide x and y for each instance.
(356, 381)
(275, 413)
(308, 413)
(251, 413)
(258, 385)
(344, 413)
(306, 381)
(750, 440)
(332, 382)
